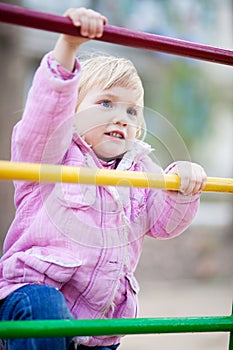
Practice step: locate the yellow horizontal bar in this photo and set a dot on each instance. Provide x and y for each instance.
(101, 177)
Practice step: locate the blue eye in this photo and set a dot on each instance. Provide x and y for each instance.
(106, 104)
(132, 111)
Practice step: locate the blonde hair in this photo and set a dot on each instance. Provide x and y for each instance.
(106, 72)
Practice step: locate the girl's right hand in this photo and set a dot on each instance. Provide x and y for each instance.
(91, 26)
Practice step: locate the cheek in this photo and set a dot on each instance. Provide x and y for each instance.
(90, 119)
(84, 122)
(132, 132)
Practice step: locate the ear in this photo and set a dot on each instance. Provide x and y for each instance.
(139, 132)
(141, 129)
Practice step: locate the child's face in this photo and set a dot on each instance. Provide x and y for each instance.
(108, 120)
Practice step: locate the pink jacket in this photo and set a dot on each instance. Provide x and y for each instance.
(84, 240)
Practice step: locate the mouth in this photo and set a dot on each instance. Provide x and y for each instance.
(116, 134)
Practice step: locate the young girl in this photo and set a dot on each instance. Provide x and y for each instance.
(72, 250)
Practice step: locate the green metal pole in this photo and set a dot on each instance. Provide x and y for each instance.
(54, 328)
(231, 335)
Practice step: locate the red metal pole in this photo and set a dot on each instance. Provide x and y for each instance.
(54, 23)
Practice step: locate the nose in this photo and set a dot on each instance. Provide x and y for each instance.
(121, 117)
(120, 122)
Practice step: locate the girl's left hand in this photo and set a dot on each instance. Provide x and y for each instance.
(192, 177)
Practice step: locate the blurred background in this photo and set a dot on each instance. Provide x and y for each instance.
(188, 109)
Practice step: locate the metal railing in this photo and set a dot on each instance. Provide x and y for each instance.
(116, 35)
(51, 328)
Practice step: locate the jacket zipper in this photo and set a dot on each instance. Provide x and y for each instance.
(116, 197)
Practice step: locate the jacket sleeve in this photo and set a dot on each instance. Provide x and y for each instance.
(168, 213)
(44, 133)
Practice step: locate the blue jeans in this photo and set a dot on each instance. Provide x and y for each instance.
(39, 302)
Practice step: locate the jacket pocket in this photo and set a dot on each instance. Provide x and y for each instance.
(129, 309)
(133, 283)
(136, 204)
(40, 264)
(76, 195)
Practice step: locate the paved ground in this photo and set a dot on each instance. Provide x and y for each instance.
(183, 298)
